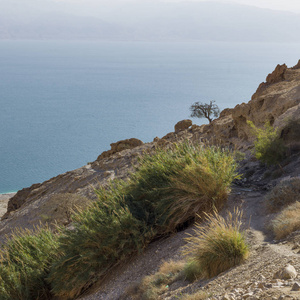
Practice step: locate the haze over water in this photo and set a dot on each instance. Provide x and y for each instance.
(63, 103)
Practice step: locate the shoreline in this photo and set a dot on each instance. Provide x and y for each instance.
(8, 193)
(4, 198)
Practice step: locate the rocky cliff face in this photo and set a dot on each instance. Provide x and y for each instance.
(277, 100)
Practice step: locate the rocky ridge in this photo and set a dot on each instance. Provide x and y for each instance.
(278, 101)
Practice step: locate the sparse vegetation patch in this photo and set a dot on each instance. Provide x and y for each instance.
(155, 285)
(268, 147)
(287, 221)
(283, 194)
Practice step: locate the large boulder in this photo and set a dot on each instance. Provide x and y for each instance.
(183, 125)
(120, 146)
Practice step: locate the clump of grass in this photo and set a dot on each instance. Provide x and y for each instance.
(218, 245)
(287, 221)
(269, 147)
(172, 186)
(153, 286)
(201, 186)
(283, 194)
(103, 235)
(25, 263)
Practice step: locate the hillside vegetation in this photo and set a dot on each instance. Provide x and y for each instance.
(170, 187)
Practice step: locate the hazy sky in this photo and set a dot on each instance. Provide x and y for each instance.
(289, 5)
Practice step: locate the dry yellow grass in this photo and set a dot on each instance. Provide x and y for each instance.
(287, 221)
(283, 194)
(197, 296)
(218, 245)
(153, 286)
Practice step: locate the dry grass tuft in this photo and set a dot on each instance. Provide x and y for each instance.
(283, 194)
(155, 285)
(287, 221)
(218, 245)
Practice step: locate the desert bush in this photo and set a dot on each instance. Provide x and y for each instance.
(172, 186)
(283, 194)
(25, 263)
(287, 221)
(268, 147)
(218, 245)
(105, 234)
(154, 285)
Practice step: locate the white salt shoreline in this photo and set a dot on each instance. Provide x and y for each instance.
(4, 198)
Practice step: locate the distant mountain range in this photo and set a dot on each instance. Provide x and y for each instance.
(146, 21)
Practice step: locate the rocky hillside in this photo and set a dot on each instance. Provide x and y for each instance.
(278, 101)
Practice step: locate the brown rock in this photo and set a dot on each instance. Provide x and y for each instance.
(182, 125)
(297, 66)
(125, 144)
(277, 75)
(120, 146)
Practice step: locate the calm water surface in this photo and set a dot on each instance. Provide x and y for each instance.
(63, 103)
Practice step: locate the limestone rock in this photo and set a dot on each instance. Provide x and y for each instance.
(277, 75)
(120, 146)
(288, 272)
(182, 125)
(297, 66)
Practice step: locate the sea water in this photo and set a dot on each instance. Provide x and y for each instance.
(64, 102)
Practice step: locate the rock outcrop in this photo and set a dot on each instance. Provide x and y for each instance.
(182, 125)
(120, 146)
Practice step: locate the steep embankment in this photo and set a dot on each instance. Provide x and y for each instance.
(277, 101)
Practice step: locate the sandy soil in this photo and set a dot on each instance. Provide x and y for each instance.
(3, 202)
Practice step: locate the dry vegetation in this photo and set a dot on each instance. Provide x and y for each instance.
(283, 194)
(218, 245)
(151, 287)
(287, 221)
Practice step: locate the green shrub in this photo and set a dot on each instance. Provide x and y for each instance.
(218, 245)
(283, 194)
(287, 221)
(172, 186)
(25, 262)
(103, 235)
(269, 148)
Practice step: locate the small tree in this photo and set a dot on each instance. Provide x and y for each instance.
(205, 110)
